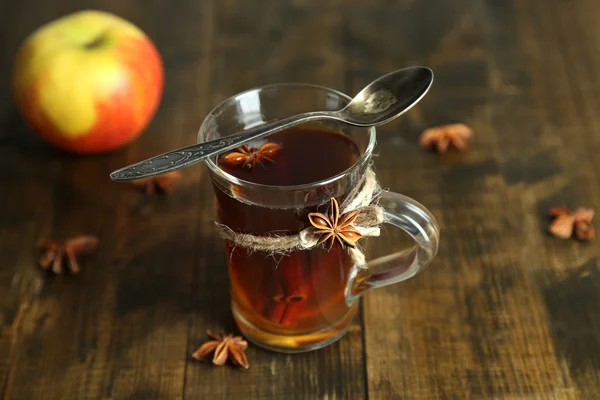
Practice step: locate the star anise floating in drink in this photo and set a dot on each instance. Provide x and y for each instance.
(164, 183)
(223, 348)
(335, 226)
(566, 223)
(58, 254)
(444, 136)
(248, 157)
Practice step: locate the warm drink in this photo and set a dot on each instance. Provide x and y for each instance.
(298, 297)
(279, 197)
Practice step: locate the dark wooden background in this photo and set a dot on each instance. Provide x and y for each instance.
(505, 312)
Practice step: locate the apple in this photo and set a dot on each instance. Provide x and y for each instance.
(88, 82)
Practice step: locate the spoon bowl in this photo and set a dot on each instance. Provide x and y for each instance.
(383, 100)
(388, 97)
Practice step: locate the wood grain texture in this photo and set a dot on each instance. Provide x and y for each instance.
(482, 321)
(120, 328)
(252, 46)
(505, 311)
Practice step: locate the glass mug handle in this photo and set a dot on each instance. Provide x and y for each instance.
(414, 219)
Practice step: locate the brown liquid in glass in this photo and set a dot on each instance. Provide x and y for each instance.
(303, 291)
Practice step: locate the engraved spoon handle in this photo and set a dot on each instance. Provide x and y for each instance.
(185, 156)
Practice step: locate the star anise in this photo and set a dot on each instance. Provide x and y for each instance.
(248, 157)
(223, 348)
(57, 254)
(336, 226)
(164, 183)
(441, 137)
(566, 222)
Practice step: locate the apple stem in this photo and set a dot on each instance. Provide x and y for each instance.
(95, 43)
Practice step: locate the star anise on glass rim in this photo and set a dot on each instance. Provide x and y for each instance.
(336, 226)
(245, 156)
(222, 348)
(566, 223)
(164, 183)
(444, 136)
(57, 254)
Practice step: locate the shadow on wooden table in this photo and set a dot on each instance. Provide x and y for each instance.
(572, 304)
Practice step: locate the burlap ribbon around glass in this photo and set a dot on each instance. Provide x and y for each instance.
(363, 198)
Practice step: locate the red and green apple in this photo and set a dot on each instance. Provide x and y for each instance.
(89, 82)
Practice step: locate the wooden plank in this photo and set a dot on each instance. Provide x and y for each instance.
(252, 46)
(560, 45)
(120, 328)
(416, 344)
(20, 220)
(475, 324)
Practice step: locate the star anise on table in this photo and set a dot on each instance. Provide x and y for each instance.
(58, 254)
(336, 226)
(444, 136)
(222, 348)
(566, 222)
(164, 183)
(248, 157)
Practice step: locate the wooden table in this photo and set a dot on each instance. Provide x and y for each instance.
(505, 311)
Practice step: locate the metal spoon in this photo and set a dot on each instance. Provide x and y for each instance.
(381, 101)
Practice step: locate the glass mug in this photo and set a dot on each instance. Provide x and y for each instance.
(303, 299)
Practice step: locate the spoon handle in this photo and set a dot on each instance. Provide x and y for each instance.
(185, 156)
